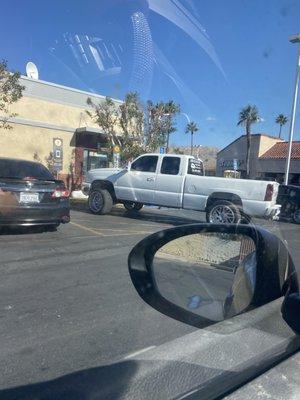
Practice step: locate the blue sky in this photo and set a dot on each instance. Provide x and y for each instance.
(212, 56)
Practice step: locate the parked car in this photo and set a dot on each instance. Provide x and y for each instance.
(177, 181)
(30, 195)
(289, 198)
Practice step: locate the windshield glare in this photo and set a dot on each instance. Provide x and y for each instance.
(142, 115)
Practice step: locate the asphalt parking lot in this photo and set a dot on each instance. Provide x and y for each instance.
(67, 302)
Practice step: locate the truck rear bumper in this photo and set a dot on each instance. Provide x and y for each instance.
(262, 209)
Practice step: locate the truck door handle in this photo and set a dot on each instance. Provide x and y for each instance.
(150, 179)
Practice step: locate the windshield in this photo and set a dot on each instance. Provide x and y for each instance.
(151, 114)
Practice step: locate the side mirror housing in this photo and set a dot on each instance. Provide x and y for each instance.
(204, 273)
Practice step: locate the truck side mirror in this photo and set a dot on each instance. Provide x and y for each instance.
(204, 273)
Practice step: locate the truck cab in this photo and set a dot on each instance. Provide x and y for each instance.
(157, 179)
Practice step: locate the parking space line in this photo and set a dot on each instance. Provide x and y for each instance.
(154, 224)
(119, 232)
(136, 353)
(128, 234)
(87, 229)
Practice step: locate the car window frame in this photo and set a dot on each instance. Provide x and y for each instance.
(161, 165)
(188, 167)
(144, 156)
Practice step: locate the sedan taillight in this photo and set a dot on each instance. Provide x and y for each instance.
(60, 193)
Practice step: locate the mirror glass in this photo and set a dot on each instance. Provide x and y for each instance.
(209, 274)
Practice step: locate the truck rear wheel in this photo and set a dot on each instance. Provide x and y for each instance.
(223, 212)
(100, 201)
(131, 206)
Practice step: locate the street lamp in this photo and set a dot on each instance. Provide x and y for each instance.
(293, 39)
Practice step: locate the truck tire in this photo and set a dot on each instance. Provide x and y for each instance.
(223, 212)
(100, 201)
(131, 206)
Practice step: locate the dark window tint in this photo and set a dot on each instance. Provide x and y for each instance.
(23, 169)
(170, 166)
(145, 164)
(195, 167)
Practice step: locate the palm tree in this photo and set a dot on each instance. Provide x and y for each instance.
(248, 116)
(170, 110)
(281, 120)
(192, 128)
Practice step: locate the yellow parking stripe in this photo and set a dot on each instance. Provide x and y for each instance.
(119, 231)
(87, 229)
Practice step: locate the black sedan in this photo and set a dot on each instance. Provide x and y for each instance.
(30, 195)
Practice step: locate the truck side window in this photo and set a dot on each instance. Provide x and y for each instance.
(195, 167)
(145, 164)
(170, 166)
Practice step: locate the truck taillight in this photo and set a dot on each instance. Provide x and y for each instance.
(269, 192)
(60, 193)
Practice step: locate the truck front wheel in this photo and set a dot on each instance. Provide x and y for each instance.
(100, 201)
(131, 206)
(223, 212)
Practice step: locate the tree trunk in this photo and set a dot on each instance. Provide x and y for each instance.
(192, 144)
(280, 131)
(248, 135)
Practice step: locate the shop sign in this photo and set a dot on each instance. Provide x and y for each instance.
(57, 154)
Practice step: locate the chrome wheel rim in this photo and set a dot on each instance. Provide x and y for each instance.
(96, 202)
(222, 214)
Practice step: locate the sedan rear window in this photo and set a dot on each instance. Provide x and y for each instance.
(18, 169)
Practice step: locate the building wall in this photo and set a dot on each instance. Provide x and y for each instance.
(266, 143)
(237, 150)
(277, 166)
(47, 111)
(26, 141)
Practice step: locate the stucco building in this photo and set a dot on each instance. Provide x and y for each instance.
(267, 158)
(52, 126)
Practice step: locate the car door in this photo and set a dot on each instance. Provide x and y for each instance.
(138, 184)
(169, 182)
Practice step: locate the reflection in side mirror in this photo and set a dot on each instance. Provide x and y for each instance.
(210, 274)
(203, 273)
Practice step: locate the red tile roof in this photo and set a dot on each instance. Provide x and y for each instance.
(280, 150)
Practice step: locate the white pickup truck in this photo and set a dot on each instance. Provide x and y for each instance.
(171, 180)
